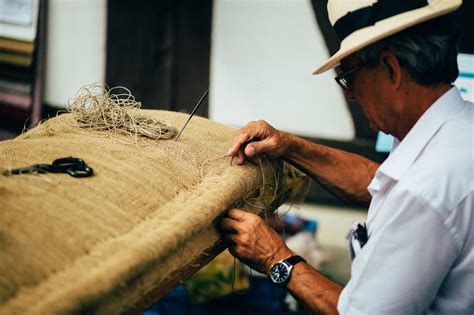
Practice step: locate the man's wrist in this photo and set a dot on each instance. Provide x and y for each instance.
(292, 146)
(279, 256)
(281, 271)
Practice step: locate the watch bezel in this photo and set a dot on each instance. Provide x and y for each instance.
(281, 280)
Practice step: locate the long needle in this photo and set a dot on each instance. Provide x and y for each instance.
(192, 114)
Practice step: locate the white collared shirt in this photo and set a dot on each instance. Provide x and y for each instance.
(419, 257)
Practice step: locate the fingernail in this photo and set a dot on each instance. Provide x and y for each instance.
(229, 153)
(250, 150)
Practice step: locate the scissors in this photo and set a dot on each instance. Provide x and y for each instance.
(73, 166)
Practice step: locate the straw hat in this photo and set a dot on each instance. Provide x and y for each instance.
(359, 23)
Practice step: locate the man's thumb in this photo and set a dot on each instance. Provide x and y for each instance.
(255, 148)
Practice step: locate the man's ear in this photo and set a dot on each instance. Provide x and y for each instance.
(391, 65)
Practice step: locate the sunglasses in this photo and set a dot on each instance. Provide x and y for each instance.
(344, 80)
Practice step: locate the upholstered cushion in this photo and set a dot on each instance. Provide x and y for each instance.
(122, 238)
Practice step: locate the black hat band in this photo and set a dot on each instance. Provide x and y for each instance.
(367, 16)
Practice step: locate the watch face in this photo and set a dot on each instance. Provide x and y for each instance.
(279, 273)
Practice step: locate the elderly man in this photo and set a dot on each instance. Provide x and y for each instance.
(415, 254)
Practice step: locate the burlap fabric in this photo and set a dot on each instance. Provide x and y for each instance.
(103, 243)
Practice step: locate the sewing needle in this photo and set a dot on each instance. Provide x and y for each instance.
(192, 114)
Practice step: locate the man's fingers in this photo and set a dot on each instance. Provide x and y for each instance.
(237, 143)
(254, 138)
(239, 158)
(236, 214)
(234, 149)
(229, 225)
(260, 147)
(250, 149)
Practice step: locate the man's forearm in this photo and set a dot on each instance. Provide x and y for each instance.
(318, 294)
(344, 174)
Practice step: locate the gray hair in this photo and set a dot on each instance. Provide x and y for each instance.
(428, 51)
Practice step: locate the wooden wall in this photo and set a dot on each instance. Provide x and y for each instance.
(160, 50)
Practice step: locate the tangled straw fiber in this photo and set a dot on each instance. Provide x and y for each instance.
(98, 108)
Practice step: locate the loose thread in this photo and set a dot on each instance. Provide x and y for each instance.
(264, 209)
(282, 222)
(233, 279)
(266, 205)
(97, 107)
(203, 163)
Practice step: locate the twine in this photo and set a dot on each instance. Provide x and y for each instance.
(98, 107)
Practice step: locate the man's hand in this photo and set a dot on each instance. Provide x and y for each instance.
(264, 140)
(252, 241)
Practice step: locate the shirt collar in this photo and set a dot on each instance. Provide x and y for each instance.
(404, 153)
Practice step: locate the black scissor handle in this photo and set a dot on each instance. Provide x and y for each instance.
(68, 161)
(73, 166)
(80, 171)
(70, 165)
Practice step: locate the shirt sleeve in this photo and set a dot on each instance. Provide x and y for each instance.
(402, 266)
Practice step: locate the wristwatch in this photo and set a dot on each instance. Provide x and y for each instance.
(281, 271)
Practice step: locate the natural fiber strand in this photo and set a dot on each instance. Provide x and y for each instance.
(265, 207)
(233, 279)
(97, 107)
